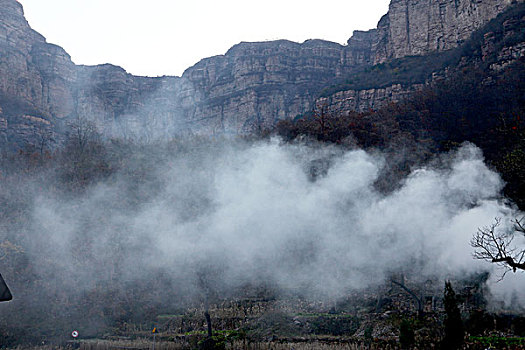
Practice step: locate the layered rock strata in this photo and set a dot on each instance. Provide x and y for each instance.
(418, 27)
(250, 87)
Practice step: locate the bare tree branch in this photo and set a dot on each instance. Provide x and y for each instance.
(497, 245)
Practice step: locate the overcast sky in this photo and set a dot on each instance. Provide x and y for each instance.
(164, 37)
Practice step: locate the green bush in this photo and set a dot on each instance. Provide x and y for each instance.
(213, 343)
(498, 342)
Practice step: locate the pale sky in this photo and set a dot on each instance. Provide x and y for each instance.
(164, 37)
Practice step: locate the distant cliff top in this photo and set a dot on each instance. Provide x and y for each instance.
(252, 86)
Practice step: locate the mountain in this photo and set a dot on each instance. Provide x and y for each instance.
(415, 27)
(250, 87)
(492, 48)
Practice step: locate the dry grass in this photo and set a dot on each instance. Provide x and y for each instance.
(145, 344)
(304, 346)
(138, 344)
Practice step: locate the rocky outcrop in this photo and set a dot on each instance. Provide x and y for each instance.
(418, 27)
(498, 49)
(250, 87)
(508, 53)
(35, 78)
(368, 99)
(256, 84)
(359, 50)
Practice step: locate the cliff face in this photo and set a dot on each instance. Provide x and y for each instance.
(368, 99)
(34, 76)
(496, 47)
(418, 27)
(256, 84)
(42, 90)
(250, 87)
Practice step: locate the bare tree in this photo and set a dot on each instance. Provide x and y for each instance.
(81, 133)
(498, 245)
(44, 140)
(323, 117)
(207, 285)
(420, 312)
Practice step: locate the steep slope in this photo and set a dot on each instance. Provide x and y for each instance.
(250, 87)
(418, 27)
(256, 84)
(491, 48)
(35, 77)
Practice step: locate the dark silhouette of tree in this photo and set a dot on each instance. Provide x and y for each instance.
(323, 117)
(82, 133)
(498, 246)
(413, 295)
(84, 156)
(454, 330)
(43, 139)
(406, 334)
(207, 290)
(209, 284)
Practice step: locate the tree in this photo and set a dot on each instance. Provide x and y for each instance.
(84, 156)
(206, 287)
(323, 117)
(406, 334)
(43, 138)
(413, 295)
(454, 330)
(498, 246)
(81, 134)
(208, 282)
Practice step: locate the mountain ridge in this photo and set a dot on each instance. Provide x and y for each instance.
(250, 87)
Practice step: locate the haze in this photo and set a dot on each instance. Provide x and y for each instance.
(162, 37)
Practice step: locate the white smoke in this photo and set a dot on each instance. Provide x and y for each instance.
(256, 214)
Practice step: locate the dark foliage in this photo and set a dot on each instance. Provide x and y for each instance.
(405, 71)
(479, 322)
(454, 330)
(505, 30)
(406, 334)
(473, 104)
(513, 322)
(212, 344)
(334, 325)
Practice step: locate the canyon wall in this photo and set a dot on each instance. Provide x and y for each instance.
(249, 88)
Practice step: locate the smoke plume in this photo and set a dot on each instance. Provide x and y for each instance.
(303, 219)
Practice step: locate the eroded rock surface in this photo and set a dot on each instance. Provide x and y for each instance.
(250, 87)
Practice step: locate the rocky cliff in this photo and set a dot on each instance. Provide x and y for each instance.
(496, 45)
(418, 27)
(250, 87)
(35, 77)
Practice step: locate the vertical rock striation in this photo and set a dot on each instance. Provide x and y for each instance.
(250, 87)
(418, 27)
